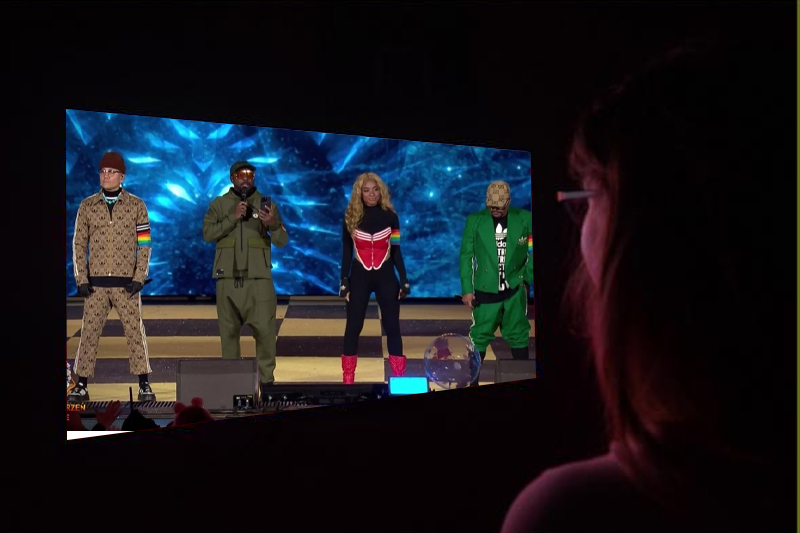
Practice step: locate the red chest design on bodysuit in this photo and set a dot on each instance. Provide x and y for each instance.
(372, 249)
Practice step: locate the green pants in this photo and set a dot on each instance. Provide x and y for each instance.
(512, 317)
(253, 303)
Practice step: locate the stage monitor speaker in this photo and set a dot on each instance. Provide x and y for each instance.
(216, 381)
(514, 370)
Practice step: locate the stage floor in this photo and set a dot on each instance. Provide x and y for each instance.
(309, 341)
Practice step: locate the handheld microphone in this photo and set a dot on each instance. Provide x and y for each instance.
(243, 195)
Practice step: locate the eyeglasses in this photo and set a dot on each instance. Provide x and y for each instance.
(109, 171)
(576, 203)
(244, 174)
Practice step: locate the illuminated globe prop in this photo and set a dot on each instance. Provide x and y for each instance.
(452, 362)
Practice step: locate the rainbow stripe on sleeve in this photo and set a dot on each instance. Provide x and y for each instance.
(395, 239)
(143, 234)
(530, 244)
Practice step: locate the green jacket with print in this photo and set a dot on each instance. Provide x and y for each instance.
(478, 260)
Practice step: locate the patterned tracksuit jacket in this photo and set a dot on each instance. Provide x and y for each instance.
(118, 252)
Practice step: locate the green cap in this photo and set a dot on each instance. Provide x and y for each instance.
(237, 166)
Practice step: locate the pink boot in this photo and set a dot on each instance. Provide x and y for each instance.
(398, 364)
(349, 368)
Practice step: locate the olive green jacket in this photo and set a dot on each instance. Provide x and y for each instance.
(243, 247)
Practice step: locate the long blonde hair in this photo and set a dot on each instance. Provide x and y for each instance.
(355, 209)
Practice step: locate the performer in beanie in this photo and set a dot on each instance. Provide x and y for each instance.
(496, 269)
(371, 228)
(245, 224)
(115, 226)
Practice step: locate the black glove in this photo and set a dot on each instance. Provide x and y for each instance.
(133, 287)
(85, 290)
(405, 288)
(344, 287)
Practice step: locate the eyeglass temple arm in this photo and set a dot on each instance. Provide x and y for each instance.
(562, 196)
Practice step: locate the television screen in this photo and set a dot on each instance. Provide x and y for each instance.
(179, 166)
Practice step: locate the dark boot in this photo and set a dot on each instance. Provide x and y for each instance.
(79, 394)
(146, 393)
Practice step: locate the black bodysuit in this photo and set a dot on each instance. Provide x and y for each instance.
(375, 245)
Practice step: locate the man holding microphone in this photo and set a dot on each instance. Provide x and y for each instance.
(245, 224)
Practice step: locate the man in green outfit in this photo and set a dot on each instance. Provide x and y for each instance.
(496, 269)
(244, 227)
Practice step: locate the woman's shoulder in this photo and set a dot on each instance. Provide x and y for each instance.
(588, 495)
(382, 214)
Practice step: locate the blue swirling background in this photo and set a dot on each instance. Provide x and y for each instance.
(179, 166)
